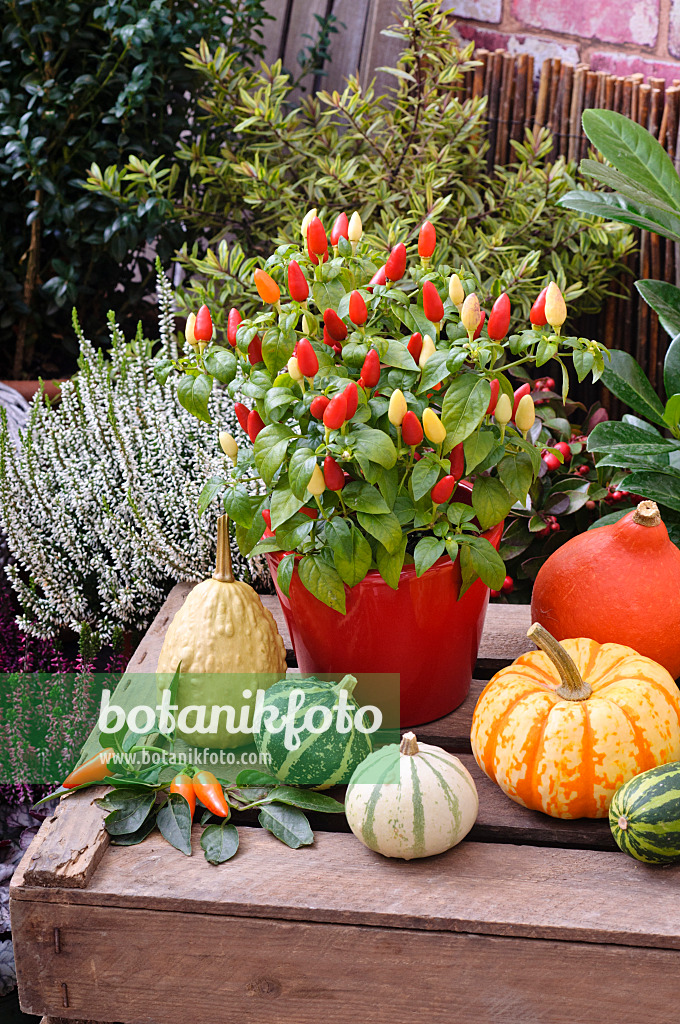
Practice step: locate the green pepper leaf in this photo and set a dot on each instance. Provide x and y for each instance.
(362, 497)
(284, 504)
(323, 581)
(390, 563)
(174, 822)
(477, 447)
(139, 835)
(284, 573)
(464, 407)
(241, 506)
(129, 810)
(426, 553)
(385, 528)
(219, 843)
(289, 824)
(270, 448)
(375, 445)
(211, 489)
(491, 501)
(161, 370)
(277, 348)
(193, 393)
(352, 555)
(425, 475)
(434, 371)
(517, 474)
(221, 363)
(300, 469)
(306, 799)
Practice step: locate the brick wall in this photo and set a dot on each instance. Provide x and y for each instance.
(618, 36)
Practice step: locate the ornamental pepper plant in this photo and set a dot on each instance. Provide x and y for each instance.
(372, 399)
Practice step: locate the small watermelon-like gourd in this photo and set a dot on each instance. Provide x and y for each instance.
(323, 755)
(221, 634)
(411, 800)
(562, 728)
(645, 815)
(617, 584)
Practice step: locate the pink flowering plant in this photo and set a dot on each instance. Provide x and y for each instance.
(369, 386)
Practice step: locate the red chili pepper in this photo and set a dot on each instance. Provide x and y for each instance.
(495, 389)
(233, 321)
(370, 370)
(334, 477)
(209, 791)
(203, 328)
(479, 326)
(337, 348)
(335, 412)
(93, 770)
(443, 489)
(358, 312)
(395, 268)
(336, 327)
(317, 243)
(297, 282)
(242, 413)
(415, 345)
(327, 339)
(499, 318)
(308, 361)
(255, 351)
(433, 307)
(319, 406)
(315, 259)
(267, 516)
(457, 460)
(411, 429)
(380, 277)
(427, 240)
(255, 424)
(536, 315)
(351, 393)
(311, 513)
(340, 229)
(519, 395)
(184, 785)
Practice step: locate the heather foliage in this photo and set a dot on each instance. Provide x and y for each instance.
(100, 504)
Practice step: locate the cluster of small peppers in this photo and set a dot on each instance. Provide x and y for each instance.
(375, 427)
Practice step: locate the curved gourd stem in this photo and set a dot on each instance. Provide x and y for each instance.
(647, 514)
(223, 572)
(348, 683)
(409, 744)
(573, 686)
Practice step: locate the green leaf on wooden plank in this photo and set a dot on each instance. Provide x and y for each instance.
(323, 581)
(306, 799)
(129, 810)
(289, 824)
(626, 379)
(211, 489)
(138, 836)
(193, 393)
(174, 822)
(219, 843)
(426, 553)
(465, 404)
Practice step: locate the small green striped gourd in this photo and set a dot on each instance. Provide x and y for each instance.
(322, 759)
(412, 800)
(644, 815)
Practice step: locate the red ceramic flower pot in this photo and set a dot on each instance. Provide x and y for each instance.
(420, 631)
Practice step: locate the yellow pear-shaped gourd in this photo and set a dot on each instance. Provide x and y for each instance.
(220, 636)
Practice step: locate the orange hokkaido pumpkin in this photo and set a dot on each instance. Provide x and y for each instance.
(562, 728)
(618, 584)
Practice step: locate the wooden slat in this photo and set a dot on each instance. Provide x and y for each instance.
(302, 23)
(346, 46)
(70, 844)
(273, 32)
(379, 50)
(485, 888)
(179, 968)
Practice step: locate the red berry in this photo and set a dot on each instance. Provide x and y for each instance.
(318, 406)
(590, 505)
(508, 585)
(555, 527)
(564, 448)
(617, 496)
(545, 532)
(395, 268)
(551, 461)
(255, 424)
(549, 384)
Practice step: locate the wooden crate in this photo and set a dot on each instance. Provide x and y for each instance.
(528, 921)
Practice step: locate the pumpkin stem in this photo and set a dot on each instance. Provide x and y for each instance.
(573, 686)
(223, 571)
(408, 744)
(647, 514)
(348, 683)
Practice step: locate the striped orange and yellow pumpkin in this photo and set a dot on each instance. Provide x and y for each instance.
(562, 728)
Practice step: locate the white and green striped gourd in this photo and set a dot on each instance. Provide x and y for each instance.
(412, 800)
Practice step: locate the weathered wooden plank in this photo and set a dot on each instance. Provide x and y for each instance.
(274, 32)
(379, 50)
(485, 888)
(70, 844)
(346, 46)
(303, 30)
(179, 968)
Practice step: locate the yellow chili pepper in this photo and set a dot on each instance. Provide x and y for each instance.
(228, 445)
(397, 408)
(470, 313)
(555, 307)
(503, 411)
(435, 430)
(525, 415)
(317, 484)
(456, 293)
(429, 348)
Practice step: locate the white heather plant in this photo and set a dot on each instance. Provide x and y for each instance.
(100, 502)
